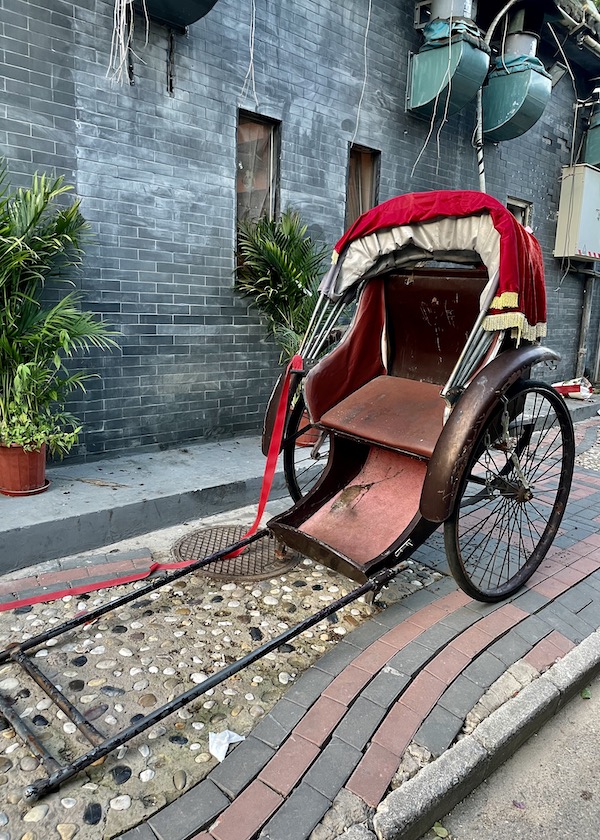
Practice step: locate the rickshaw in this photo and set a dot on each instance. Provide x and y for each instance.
(421, 413)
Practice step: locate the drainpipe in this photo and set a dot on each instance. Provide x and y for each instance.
(479, 126)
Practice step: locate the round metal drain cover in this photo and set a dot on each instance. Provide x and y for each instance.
(258, 561)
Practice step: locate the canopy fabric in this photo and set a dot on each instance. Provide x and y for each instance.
(457, 226)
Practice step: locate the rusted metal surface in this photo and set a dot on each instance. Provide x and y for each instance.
(464, 425)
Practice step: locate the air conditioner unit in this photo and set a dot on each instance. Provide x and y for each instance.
(578, 229)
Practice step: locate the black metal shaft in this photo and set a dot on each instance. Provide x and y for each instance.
(157, 583)
(58, 698)
(40, 788)
(28, 737)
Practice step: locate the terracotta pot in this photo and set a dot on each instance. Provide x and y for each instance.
(310, 436)
(22, 473)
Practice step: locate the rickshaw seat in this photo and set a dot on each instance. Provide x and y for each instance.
(401, 414)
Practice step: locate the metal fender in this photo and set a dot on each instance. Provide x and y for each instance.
(451, 453)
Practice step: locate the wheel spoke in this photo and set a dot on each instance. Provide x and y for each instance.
(513, 494)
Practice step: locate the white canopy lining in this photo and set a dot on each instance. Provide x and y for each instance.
(463, 240)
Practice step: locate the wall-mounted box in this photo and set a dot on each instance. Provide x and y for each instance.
(578, 229)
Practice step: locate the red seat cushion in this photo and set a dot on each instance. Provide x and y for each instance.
(397, 413)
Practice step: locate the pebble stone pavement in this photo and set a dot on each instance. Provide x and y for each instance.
(121, 666)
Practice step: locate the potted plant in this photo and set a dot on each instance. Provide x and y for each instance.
(41, 328)
(279, 267)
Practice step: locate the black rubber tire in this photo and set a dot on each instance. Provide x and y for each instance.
(302, 465)
(504, 522)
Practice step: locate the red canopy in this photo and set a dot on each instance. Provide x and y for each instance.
(520, 302)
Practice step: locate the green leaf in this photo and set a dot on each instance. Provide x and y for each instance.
(439, 830)
(586, 694)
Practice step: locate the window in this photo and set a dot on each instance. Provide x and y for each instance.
(257, 167)
(520, 209)
(363, 182)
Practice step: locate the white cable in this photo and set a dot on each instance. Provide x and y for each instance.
(366, 72)
(249, 80)
(122, 38)
(434, 112)
(448, 96)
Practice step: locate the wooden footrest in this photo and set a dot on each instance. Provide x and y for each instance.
(401, 414)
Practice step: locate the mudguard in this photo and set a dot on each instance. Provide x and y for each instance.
(471, 412)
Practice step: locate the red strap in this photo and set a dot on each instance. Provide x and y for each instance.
(274, 450)
(265, 490)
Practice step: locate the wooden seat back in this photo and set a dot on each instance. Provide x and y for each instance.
(429, 315)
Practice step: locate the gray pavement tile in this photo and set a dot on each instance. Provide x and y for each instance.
(411, 658)
(482, 609)
(333, 767)
(577, 598)
(460, 619)
(438, 730)
(335, 660)
(275, 727)
(309, 687)
(360, 722)
(593, 580)
(511, 647)
(140, 832)
(242, 764)
(363, 636)
(297, 816)
(385, 688)
(437, 636)
(532, 629)
(192, 812)
(393, 615)
(591, 614)
(421, 598)
(485, 670)
(573, 626)
(529, 601)
(461, 696)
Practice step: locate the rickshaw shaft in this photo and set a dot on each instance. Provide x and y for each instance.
(157, 583)
(40, 788)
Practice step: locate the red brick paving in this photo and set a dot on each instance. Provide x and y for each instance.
(289, 764)
(373, 658)
(548, 650)
(423, 693)
(347, 685)
(397, 730)
(448, 664)
(373, 774)
(320, 721)
(249, 811)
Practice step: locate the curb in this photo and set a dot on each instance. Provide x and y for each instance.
(408, 812)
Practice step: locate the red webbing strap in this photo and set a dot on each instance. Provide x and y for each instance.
(274, 450)
(267, 482)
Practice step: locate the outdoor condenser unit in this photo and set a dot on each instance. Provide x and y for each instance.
(578, 229)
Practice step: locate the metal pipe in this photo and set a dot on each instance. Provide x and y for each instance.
(43, 786)
(58, 698)
(28, 737)
(479, 149)
(88, 617)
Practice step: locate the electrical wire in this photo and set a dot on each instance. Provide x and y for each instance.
(366, 72)
(249, 80)
(122, 39)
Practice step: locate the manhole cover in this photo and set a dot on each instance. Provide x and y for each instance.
(258, 561)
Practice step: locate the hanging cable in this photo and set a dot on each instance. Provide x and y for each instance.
(365, 74)
(249, 80)
(122, 40)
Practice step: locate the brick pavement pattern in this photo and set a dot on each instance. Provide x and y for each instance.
(409, 675)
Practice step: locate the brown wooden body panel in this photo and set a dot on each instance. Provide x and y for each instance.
(464, 425)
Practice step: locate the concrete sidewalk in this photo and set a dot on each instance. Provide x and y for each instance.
(424, 699)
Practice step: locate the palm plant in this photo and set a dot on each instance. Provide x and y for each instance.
(40, 242)
(279, 267)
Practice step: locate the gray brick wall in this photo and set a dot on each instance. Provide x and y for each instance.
(156, 176)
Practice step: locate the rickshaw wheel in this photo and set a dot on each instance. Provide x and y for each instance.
(513, 493)
(305, 451)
